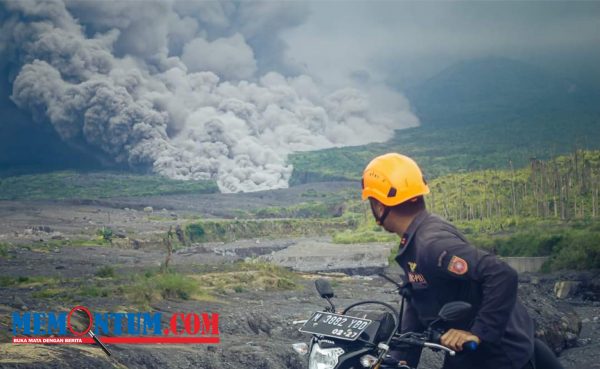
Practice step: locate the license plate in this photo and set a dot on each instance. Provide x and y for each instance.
(336, 326)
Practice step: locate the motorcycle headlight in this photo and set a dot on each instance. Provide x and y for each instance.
(321, 358)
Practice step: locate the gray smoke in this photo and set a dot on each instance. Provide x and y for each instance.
(183, 88)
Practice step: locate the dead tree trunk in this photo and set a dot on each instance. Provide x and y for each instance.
(593, 205)
(168, 242)
(512, 185)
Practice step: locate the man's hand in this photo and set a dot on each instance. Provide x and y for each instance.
(455, 338)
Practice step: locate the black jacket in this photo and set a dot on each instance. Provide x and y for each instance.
(442, 267)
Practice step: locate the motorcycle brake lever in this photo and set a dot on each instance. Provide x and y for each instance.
(435, 346)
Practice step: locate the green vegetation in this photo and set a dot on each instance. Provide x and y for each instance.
(49, 245)
(105, 234)
(570, 245)
(518, 211)
(4, 247)
(28, 282)
(48, 293)
(6, 281)
(80, 243)
(94, 290)
(365, 236)
(550, 208)
(105, 272)
(316, 205)
(563, 188)
(576, 250)
(444, 150)
(140, 289)
(229, 230)
(194, 231)
(150, 286)
(304, 210)
(74, 185)
(243, 276)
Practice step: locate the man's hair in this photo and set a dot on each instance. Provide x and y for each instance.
(410, 207)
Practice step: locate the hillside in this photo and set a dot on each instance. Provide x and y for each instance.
(95, 185)
(496, 90)
(447, 150)
(477, 115)
(549, 208)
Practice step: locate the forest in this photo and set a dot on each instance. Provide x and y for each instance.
(562, 188)
(548, 208)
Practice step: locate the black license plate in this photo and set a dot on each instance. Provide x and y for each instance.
(336, 326)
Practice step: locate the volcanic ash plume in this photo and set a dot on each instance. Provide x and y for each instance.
(175, 87)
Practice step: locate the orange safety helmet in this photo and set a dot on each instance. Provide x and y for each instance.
(393, 179)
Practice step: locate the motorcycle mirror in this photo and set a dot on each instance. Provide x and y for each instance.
(455, 310)
(324, 288)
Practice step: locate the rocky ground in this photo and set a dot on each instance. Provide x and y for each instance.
(256, 325)
(19, 219)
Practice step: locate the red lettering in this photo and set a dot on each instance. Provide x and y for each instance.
(174, 323)
(192, 324)
(210, 322)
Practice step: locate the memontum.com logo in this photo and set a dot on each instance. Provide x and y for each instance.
(114, 327)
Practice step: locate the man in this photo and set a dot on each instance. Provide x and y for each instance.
(442, 266)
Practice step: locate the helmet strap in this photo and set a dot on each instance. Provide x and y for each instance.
(381, 219)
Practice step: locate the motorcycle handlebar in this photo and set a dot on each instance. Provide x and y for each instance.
(467, 346)
(423, 341)
(436, 336)
(470, 346)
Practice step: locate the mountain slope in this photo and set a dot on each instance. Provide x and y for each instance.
(476, 115)
(495, 90)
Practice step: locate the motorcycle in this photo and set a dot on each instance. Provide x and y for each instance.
(349, 341)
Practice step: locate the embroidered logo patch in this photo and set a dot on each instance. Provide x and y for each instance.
(416, 278)
(403, 241)
(458, 266)
(412, 266)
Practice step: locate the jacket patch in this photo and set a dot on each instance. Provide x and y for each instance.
(458, 266)
(416, 278)
(403, 240)
(412, 266)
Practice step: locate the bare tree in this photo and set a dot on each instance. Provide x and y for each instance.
(168, 243)
(512, 186)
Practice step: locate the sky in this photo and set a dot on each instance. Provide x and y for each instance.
(404, 42)
(227, 90)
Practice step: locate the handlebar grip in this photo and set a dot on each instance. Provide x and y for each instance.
(470, 346)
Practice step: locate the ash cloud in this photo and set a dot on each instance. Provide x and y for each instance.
(192, 90)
